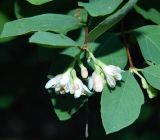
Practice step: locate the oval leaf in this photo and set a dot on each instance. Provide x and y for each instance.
(100, 7)
(121, 107)
(152, 74)
(52, 40)
(45, 22)
(38, 2)
(149, 41)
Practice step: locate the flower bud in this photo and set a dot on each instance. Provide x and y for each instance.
(84, 72)
(96, 82)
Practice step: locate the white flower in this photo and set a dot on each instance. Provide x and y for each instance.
(112, 74)
(65, 83)
(79, 88)
(53, 81)
(96, 82)
(60, 83)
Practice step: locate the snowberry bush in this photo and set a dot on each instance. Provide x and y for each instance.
(100, 58)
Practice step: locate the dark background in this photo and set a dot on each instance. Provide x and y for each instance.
(26, 112)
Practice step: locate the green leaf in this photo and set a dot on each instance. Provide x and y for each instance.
(66, 106)
(110, 21)
(3, 20)
(52, 40)
(150, 90)
(45, 22)
(100, 7)
(38, 2)
(121, 106)
(110, 50)
(149, 41)
(151, 14)
(152, 75)
(73, 51)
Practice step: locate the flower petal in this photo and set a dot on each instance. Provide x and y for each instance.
(57, 88)
(51, 83)
(65, 79)
(111, 81)
(71, 88)
(77, 93)
(118, 76)
(90, 83)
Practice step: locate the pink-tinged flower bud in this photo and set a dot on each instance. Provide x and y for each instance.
(84, 72)
(98, 82)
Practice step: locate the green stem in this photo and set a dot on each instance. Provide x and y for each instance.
(77, 57)
(134, 70)
(92, 56)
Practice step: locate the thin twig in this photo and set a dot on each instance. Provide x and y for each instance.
(129, 57)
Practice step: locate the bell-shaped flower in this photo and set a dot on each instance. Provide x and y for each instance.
(96, 82)
(60, 83)
(79, 88)
(53, 81)
(112, 74)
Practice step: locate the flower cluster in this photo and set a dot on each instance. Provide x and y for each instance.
(68, 82)
(106, 74)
